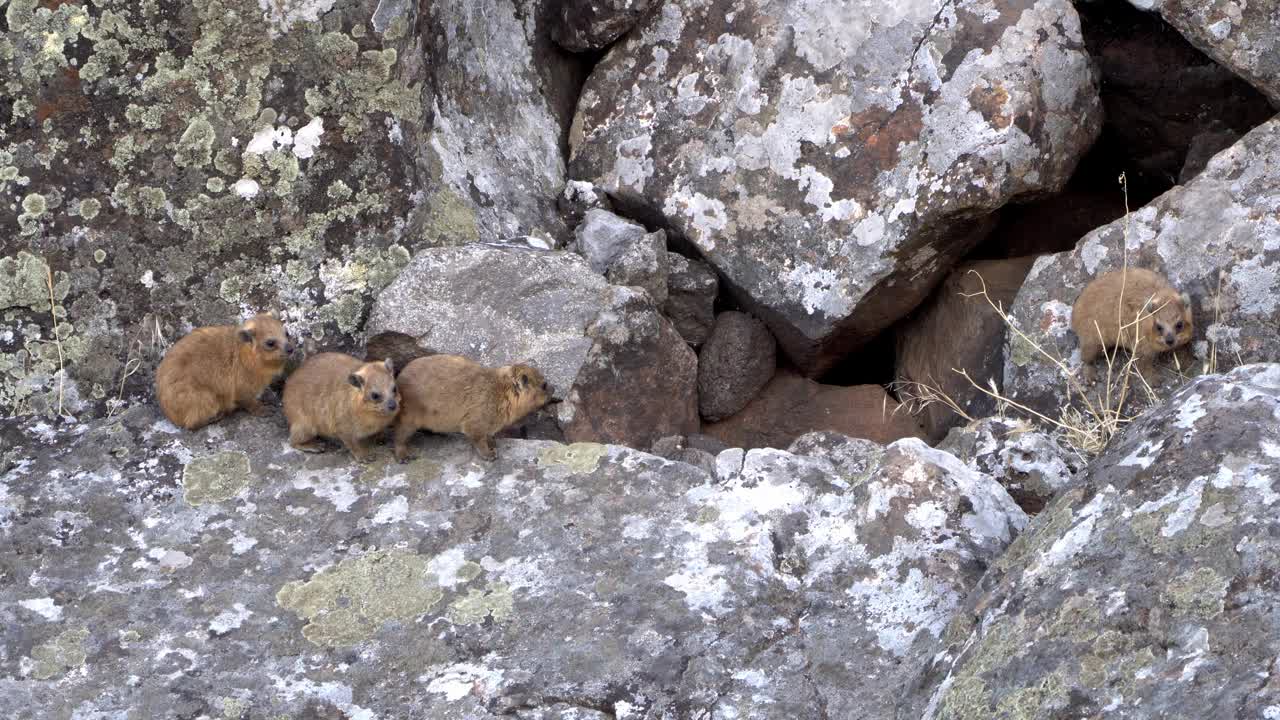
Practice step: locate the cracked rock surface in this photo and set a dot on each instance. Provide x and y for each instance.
(222, 574)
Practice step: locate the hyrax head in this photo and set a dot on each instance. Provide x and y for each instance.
(1170, 324)
(376, 383)
(529, 386)
(266, 339)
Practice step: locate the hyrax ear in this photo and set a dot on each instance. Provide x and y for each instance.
(356, 381)
(1185, 298)
(391, 368)
(245, 335)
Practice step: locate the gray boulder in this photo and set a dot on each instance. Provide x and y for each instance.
(644, 265)
(599, 345)
(736, 362)
(1145, 590)
(603, 236)
(691, 296)
(833, 161)
(582, 25)
(1033, 466)
(1214, 238)
(229, 576)
(1241, 36)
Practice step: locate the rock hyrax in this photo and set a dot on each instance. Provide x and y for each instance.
(1117, 303)
(449, 393)
(337, 396)
(213, 370)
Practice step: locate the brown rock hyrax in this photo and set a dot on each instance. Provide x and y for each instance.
(337, 396)
(1132, 308)
(449, 393)
(213, 370)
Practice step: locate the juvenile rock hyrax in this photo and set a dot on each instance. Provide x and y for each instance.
(449, 393)
(337, 396)
(1132, 308)
(213, 370)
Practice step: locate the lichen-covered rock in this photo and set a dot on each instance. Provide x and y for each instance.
(1147, 589)
(1031, 465)
(562, 581)
(623, 372)
(691, 295)
(832, 160)
(791, 405)
(957, 329)
(603, 236)
(582, 25)
(1240, 35)
(737, 361)
(644, 265)
(167, 164)
(579, 198)
(1216, 238)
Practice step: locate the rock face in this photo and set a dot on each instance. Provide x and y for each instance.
(1031, 465)
(691, 295)
(833, 176)
(1217, 231)
(621, 368)
(1241, 36)
(161, 190)
(603, 236)
(232, 578)
(1146, 590)
(644, 265)
(582, 25)
(791, 405)
(737, 361)
(957, 329)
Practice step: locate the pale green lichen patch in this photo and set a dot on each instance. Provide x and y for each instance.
(967, 699)
(578, 458)
(1026, 703)
(60, 654)
(472, 608)
(215, 478)
(195, 147)
(348, 603)
(1200, 592)
(24, 282)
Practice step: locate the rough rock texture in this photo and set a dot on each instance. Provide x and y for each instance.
(792, 405)
(1240, 35)
(644, 265)
(1202, 149)
(957, 329)
(593, 24)
(1031, 465)
(624, 373)
(220, 574)
(603, 236)
(738, 359)
(1221, 229)
(578, 199)
(832, 160)
(691, 295)
(176, 164)
(1148, 589)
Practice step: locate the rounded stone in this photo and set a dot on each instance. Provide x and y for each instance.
(737, 360)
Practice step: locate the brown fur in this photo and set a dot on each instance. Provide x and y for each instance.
(449, 393)
(213, 370)
(1104, 317)
(337, 396)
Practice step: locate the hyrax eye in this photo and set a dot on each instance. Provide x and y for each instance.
(1178, 327)
(271, 344)
(376, 397)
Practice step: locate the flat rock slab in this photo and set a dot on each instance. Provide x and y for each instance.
(833, 160)
(1146, 590)
(222, 574)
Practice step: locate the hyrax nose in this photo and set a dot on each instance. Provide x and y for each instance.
(1169, 339)
(392, 405)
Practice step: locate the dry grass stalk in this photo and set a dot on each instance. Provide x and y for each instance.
(57, 338)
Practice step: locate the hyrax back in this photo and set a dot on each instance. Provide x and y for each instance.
(1131, 308)
(337, 396)
(449, 393)
(216, 369)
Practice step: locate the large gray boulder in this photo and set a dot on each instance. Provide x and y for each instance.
(623, 371)
(168, 165)
(221, 574)
(1216, 238)
(833, 160)
(1032, 465)
(1148, 589)
(1240, 35)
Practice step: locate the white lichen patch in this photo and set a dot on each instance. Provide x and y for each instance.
(229, 619)
(1142, 456)
(459, 680)
(44, 607)
(1191, 410)
(818, 290)
(332, 485)
(392, 512)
